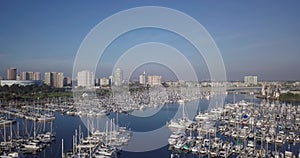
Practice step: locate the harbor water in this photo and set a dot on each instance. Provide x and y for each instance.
(64, 127)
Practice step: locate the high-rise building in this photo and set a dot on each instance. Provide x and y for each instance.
(104, 82)
(58, 81)
(31, 76)
(142, 78)
(1, 78)
(26, 75)
(154, 80)
(250, 80)
(12, 73)
(54, 79)
(37, 76)
(85, 79)
(48, 77)
(118, 77)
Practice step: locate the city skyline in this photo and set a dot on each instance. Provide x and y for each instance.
(137, 76)
(254, 38)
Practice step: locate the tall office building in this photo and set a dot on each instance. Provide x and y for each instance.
(118, 77)
(142, 78)
(54, 79)
(85, 78)
(154, 80)
(12, 73)
(250, 80)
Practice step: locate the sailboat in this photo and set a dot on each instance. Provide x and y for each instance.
(181, 123)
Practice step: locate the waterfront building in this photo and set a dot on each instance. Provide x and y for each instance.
(20, 82)
(18, 77)
(48, 78)
(67, 81)
(26, 75)
(172, 83)
(154, 80)
(104, 82)
(250, 80)
(30, 75)
(54, 79)
(118, 77)
(58, 79)
(97, 82)
(37, 76)
(12, 73)
(85, 79)
(142, 78)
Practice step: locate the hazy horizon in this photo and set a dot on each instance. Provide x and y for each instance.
(259, 38)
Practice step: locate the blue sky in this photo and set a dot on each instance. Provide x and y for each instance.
(254, 37)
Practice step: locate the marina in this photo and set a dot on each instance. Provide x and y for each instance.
(149, 79)
(18, 139)
(244, 127)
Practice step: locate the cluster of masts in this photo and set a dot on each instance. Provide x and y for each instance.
(270, 92)
(243, 129)
(17, 141)
(98, 144)
(121, 101)
(124, 102)
(27, 114)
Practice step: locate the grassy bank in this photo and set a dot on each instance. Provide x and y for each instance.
(289, 97)
(32, 92)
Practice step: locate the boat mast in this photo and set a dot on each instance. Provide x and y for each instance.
(117, 119)
(92, 126)
(111, 131)
(11, 133)
(97, 124)
(4, 132)
(79, 133)
(234, 97)
(18, 134)
(75, 138)
(34, 130)
(51, 126)
(73, 147)
(44, 125)
(106, 133)
(88, 127)
(62, 148)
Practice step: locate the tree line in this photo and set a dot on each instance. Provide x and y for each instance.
(31, 92)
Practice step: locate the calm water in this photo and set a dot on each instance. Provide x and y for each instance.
(65, 126)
